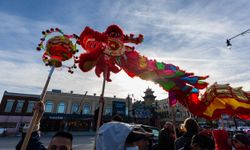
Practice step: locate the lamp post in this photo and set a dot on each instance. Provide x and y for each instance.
(228, 41)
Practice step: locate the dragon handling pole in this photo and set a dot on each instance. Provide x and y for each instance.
(35, 115)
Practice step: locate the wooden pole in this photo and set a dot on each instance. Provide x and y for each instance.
(174, 119)
(101, 101)
(101, 104)
(34, 119)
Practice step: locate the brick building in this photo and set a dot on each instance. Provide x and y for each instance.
(15, 109)
(62, 110)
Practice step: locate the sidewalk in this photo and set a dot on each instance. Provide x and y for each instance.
(79, 142)
(74, 133)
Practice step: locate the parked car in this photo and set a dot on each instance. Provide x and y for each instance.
(2, 131)
(23, 126)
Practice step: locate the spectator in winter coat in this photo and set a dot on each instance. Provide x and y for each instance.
(191, 128)
(167, 137)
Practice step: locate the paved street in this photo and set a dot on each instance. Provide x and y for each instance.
(80, 142)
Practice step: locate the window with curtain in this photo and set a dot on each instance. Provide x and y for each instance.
(30, 106)
(108, 111)
(74, 108)
(86, 109)
(61, 107)
(9, 105)
(49, 106)
(19, 105)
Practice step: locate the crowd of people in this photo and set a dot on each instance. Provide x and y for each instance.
(194, 137)
(118, 135)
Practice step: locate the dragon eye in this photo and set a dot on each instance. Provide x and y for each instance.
(93, 45)
(113, 34)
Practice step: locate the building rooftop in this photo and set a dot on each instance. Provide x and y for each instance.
(20, 94)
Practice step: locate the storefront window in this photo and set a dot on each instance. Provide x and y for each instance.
(48, 106)
(108, 111)
(9, 105)
(19, 105)
(61, 107)
(86, 109)
(30, 106)
(74, 108)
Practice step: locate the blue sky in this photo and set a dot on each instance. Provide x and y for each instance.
(190, 34)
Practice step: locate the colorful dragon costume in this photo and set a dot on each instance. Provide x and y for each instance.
(108, 53)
